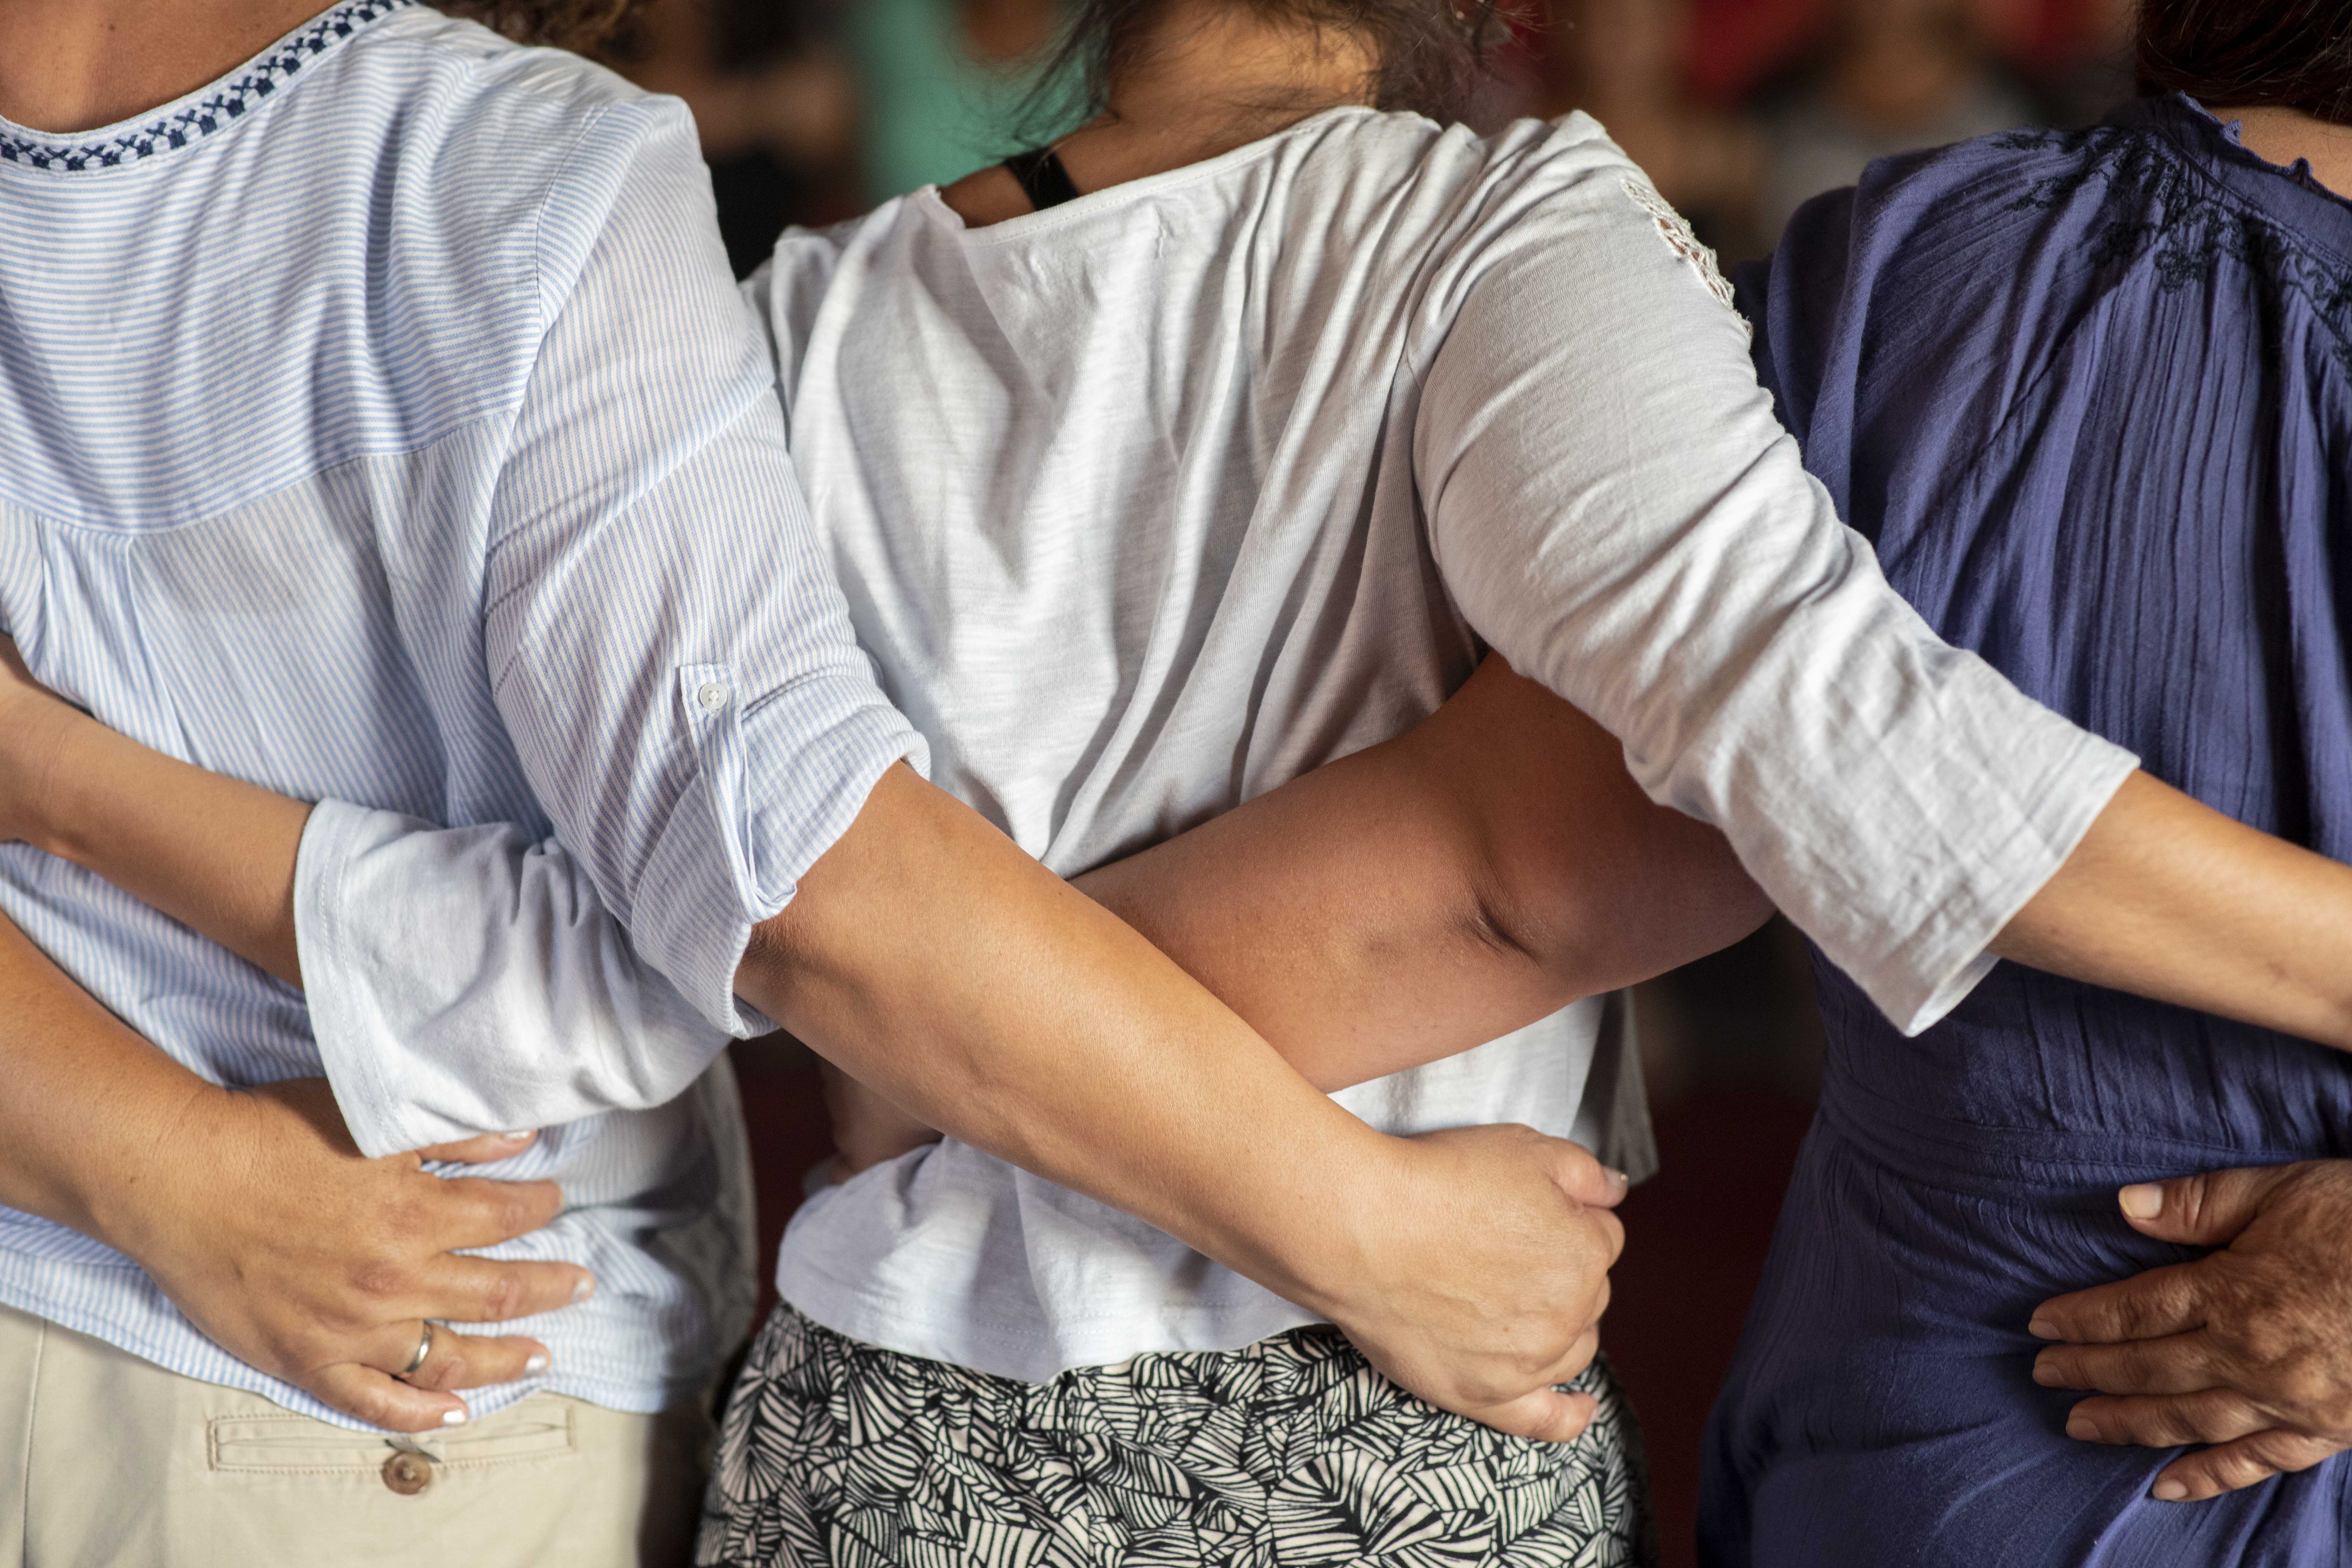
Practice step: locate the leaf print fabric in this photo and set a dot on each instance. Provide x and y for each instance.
(1292, 1453)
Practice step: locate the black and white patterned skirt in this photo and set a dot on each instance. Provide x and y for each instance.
(834, 1454)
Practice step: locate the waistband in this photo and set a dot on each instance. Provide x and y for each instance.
(2042, 1162)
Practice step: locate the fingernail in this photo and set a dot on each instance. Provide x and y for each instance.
(535, 1365)
(2082, 1431)
(2144, 1202)
(517, 1137)
(2045, 1374)
(2043, 1328)
(1617, 1178)
(2170, 1490)
(453, 1417)
(585, 1288)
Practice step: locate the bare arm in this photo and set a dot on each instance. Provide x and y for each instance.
(1414, 900)
(255, 1215)
(1055, 1037)
(1245, 1160)
(214, 853)
(2170, 900)
(1497, 862)
(1401, 905)
(1432, 893)
(1392, 909)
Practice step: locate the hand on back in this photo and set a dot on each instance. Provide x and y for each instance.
(317, 1265)
(2249, 1350)
(1484, 1280)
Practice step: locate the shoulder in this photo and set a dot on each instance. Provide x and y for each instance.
(492, 172)
(442, 65)
(1982, 217)
(1529, 168)
(456, 190)
(1924, 258)
(789, 291)
(485, 134)
(1556, 208)
(1983, 195)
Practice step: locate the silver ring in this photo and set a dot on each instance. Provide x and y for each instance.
(424, 1349)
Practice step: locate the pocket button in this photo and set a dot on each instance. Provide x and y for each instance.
(407, 1473)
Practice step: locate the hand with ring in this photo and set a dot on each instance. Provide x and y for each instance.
(411, 1374)
(337, 1273)
(424, 1349)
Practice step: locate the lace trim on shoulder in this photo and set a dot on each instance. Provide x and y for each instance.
(214, 109)
(1675, 230)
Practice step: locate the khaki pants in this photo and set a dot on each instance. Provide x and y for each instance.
(109, 1461)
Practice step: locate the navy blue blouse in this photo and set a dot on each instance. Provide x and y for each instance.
(2091, 397)
(2090, 394)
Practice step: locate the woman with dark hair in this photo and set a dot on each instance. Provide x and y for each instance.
(1219, 440)
(2090, 395)
(379, 420)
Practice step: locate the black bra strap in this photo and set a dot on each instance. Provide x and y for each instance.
(1043, 178)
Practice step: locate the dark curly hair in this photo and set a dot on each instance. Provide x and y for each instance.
(1431, 52)
(2251, 54)
(582, 25)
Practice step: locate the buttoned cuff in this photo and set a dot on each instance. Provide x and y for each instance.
(776, 786)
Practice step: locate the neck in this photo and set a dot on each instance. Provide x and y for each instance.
(1212, 75)
(2283, 136)
(73, 64)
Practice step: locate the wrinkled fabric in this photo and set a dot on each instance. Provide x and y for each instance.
(1289, 1453)
(2087, 394)
(379, 426)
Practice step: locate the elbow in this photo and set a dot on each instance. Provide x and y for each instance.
(1525, 911)
(1604, 918)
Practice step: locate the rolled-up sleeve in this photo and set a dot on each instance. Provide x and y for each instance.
(675, 671)
(1617, 511)
(469, 980)
(673, 660)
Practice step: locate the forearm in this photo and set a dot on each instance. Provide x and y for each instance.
(928, 957)
(213, 853)
(1433, 893)
(252, 1214)
(2170, 900)
(88, 1103)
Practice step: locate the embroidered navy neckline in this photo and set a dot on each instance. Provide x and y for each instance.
(2190, 194)
(202, 112)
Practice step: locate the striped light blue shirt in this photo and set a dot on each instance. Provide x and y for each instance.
(380, 423)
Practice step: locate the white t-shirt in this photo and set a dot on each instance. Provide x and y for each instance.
(1146, 504)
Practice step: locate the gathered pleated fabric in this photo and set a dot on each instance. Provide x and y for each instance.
(2090, 395)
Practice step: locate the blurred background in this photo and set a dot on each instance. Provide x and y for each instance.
(813, 111)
